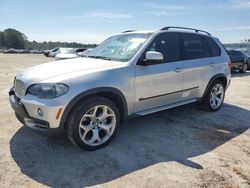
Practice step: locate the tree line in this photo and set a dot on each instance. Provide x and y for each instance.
(12, 38)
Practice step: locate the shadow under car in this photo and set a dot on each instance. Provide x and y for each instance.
(171, 135)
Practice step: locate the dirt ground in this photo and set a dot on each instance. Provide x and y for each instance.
(181, 147)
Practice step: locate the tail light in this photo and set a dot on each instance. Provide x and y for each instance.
(229, 64)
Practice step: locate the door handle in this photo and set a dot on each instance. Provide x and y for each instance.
(177, 70)
(211, 64)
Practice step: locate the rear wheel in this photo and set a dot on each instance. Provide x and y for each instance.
(248, 65)
(214, 97)
(93, 123)
(244, 68)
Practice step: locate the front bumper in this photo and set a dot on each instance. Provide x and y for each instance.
(26, 113)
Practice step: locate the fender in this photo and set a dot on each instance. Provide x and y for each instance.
(89, 92)
(212, 80)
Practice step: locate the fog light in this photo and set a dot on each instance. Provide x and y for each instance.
(40, 112)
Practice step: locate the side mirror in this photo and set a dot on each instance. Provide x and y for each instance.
(153, 57)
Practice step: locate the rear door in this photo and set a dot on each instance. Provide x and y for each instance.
(199, 55)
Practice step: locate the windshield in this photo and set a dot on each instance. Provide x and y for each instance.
(120, 47)
(66, 51)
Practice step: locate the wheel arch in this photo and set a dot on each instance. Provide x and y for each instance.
(113, 94)
(221, 77)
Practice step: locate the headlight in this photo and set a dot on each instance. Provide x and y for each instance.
(48, 91)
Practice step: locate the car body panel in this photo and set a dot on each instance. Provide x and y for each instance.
(154, 85)
(65, 56)
(238, 59)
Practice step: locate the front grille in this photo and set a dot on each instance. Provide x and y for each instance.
(20, 87)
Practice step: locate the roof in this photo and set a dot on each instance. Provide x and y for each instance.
(171, 28)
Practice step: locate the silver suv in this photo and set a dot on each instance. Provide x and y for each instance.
(133, 73)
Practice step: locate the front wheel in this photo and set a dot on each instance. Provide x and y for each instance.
(93, 123)
(214, 97)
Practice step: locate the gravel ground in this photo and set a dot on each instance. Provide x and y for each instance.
(181, 147)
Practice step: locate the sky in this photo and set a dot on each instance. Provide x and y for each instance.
(92, 21)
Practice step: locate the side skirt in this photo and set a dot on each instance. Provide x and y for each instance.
(165, 107)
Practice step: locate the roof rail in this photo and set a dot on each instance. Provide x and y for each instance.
(128, 31)
(196, 30)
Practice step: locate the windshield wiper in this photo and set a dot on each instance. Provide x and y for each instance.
(99, 57)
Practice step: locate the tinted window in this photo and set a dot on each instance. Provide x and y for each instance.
(191, 47)
(247, 53)
(235, 53)
(212, 47)
(167, 44)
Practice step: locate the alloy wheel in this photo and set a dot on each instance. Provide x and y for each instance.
(97, 125)
(217, 96)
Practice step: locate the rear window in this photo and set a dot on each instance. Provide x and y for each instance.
(212, 46)
(192, 47)
(235, 53)
(195, 46)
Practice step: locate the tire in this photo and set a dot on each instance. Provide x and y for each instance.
(211, 101)
(244, 68)
(93, 123)
(248, 65)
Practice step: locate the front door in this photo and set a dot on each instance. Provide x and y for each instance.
(160, 84)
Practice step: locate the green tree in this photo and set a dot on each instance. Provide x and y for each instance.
(11, 38)
(2, 42)
(14, 39)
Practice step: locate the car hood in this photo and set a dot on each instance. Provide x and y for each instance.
(49, 70)
(66, 55)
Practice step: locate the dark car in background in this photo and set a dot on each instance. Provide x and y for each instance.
(247, 54)
(84, 54)
(80, 50)
(238, 60)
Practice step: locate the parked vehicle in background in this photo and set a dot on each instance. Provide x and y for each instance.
(133, 73)
(238, 60)
(85, 53)
(54, 52)
(37, 51)
(247, 54)
(19, 51)
(23, 51)
(46, 53)
(66, 53)
(10, 51)
(51, 53)
(80, 50)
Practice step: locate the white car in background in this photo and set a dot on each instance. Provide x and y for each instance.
(66, 53)
(51, 53)
(85, 53)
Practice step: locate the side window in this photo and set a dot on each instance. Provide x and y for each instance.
(213, 47)
(239, 53)
(231, 53)
(235, 53)
(191, 47)
(167, 44)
